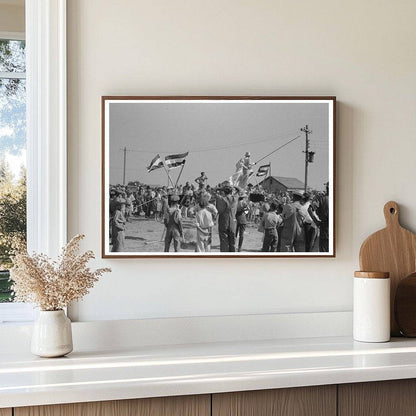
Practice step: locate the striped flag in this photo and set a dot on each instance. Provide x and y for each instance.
(263, 170)
(174, 161)
(156, 163)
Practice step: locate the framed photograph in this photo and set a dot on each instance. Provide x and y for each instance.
(218, 176)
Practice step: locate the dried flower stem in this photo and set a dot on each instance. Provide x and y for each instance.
(53, 285)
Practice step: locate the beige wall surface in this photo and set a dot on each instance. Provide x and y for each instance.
(12, 18)
(360, 51)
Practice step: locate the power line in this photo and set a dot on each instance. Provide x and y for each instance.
(259, 160)
(207, 149)
(264, 157)
(280, 147)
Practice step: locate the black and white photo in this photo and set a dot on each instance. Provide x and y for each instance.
(218, 176)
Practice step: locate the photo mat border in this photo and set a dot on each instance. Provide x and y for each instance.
(105, 177)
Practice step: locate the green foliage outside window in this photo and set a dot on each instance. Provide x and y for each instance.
(12, 145)
(12, 223)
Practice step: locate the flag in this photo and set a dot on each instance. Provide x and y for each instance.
(156, 163)
(174, 161)
(263, 170)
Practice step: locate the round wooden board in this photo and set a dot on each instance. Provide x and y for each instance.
(393, 250)
(405, 306)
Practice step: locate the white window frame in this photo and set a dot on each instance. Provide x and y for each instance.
(46, 128)
(14, 312)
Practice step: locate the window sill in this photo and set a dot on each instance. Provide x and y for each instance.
(16, 313)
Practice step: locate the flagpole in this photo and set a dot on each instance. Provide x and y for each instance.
(180, 173)
(124, 165)
(167, 173)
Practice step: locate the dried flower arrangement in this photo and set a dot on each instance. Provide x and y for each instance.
(53, 285)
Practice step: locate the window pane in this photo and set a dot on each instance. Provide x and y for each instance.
(12, 163)
(12, 56)
(12, 117)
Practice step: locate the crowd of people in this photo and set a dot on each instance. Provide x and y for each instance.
(290, 221)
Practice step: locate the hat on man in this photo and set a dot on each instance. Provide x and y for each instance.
(205, 196)
(120, 203)
(306, 196)
(174, 198)
(298, 194)
(226, 187)
(225, 184)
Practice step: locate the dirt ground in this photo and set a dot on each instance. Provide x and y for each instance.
(145, 235)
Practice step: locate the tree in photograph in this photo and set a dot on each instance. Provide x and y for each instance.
(12, 223)
(12, 144)
(12, 213)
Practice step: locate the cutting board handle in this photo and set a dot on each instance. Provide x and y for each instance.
(391, 213)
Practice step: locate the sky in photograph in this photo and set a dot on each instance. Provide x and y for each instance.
(217, 135)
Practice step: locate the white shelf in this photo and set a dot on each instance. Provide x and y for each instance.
(151, 371)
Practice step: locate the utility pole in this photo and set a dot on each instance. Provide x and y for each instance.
(307, 132)
(124, 168)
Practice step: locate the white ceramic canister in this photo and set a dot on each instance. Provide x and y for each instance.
(52, 334)
(371, 313)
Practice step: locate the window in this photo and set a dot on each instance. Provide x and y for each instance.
(45, 89)
(12, 154)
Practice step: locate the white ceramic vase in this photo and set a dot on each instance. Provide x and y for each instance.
(52, 334)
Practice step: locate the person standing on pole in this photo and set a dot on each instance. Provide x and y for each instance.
(202, 181)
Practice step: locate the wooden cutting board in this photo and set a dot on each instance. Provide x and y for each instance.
(393, 250)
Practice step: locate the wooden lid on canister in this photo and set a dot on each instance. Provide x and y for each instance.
(372, 275)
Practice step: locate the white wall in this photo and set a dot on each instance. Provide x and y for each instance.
(361, 51)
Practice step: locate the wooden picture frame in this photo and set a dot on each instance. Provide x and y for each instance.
(267, 149)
